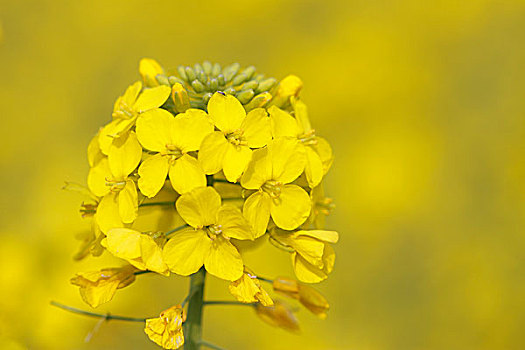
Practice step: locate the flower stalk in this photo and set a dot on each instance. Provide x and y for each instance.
(193, 324)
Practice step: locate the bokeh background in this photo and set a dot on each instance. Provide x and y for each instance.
(423, 102)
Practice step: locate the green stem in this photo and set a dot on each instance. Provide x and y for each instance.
(227, 302)
(193, 324)
(176, 229)
(107, 316)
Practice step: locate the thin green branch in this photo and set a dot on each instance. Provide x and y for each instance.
(137, 273)
(227, 302)
(176, 229)
(106, 317)
(264, 279)
(210, 345)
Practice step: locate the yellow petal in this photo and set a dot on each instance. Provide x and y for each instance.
(314, 169)
(184, 253)
(113, 130)
(151, 254)
(328, 259)
(283, 124)
(322, 235)
(153, 172)
(153, 129)
(124, 243)
(234, 224)
(186, 174)
(190, 128)
(149, 68)
(130, 95)
(152, 98)
(226, 112)
(212, 151)
(108, 215)
(128, 202)
(292, 208)
(94, 153)
(235, 161)
(288, 159)
(307, 272)
(199, 207)
(257, 129)
(301, 114)
(256, 210)
(124, 155)
(258, 171)
(248, 290)
(97, 178)
(223, 260)
(99, 287)
(325, 153)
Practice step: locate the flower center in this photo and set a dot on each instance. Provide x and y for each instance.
(273, 188)
(124, 111)
(173, 152)
(308, 138)
(213, 230)
(236, 138)
(115, 185)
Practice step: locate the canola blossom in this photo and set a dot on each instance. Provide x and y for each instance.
(195, 165)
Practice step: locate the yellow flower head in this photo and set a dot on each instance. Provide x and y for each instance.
(128, 108)
(208, 242)
(166, 330)
(181, 143)
(172, 138)
(247, 289)
(271, 172)
(109, 178)
(229, 149)
(141, 250)
(307, 296)
(98, 287)
(279, 315)
(313, 257)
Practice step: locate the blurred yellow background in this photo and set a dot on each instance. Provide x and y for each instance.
(423, 102)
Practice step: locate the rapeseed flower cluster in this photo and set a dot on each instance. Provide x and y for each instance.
(231, 155)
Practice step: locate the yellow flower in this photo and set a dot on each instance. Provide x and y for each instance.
(166, 330)
(229, 148)
(247, 289)
(149, 68)
(290, 86)
(128, 108)
(279, 315)
(109, 179)
(321, 207)
(208, 243)
(270, 172)
(141, 250)
(317, 150)
(172, 138)
(312, 256)
(98, 287)
(307, 296)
